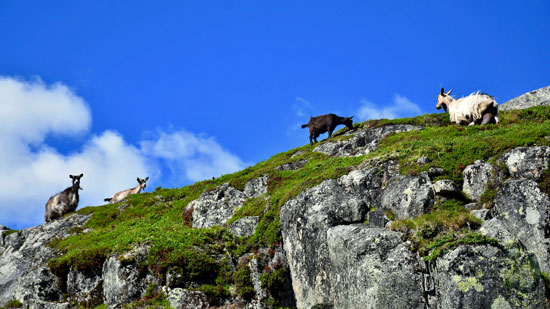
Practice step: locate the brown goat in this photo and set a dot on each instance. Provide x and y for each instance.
(321, 124)
(119, 196)
(63, 202)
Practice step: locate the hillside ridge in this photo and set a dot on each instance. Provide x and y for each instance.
(403, 213)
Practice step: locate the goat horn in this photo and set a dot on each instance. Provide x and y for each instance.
(449, 91)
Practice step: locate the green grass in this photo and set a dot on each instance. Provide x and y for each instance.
(453, 147)
(14, 304)
(162, 226)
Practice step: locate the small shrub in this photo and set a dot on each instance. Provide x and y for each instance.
(390, 215)
(243, 282)
(14, 304)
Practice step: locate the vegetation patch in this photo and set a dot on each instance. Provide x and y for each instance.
(153, 298)
(274, 281)
(445, 228)
(243, 282)
(14, 304)
(453, 147)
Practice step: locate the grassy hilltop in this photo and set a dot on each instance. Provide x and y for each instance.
(157, 219)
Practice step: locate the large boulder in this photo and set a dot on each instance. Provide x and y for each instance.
(527, 162)
(524, 210)
(477, 178)
(408, 196)
(245, 226)
(484, 276)
(182, 299)
(23, 258)
(216, 207)
(537, 97)
(256, 187)
(305, 221)
(362, 141)
(124, 279)
(373, 268)
(85, 287)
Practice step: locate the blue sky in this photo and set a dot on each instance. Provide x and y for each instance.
(187, 90)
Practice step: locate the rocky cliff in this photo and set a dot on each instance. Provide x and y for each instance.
(408, 213)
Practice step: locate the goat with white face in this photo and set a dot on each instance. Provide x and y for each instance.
(63, 202)
(119, 196)
(477, 108)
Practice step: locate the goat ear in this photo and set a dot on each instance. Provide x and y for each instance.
(81, 174)
(449, 91)
(71, 176)
(138, 180)
(146, 178)
(442, 91)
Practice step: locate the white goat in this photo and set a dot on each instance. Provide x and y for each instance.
(477, 108)
(119, 196)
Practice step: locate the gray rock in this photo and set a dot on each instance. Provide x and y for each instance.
(85, 287)
(495, 228)
(362, 142)
(484, 276)
(527, 162)
(445, 187)
(423, 160)
(373, 268)
(305, 220)
(292, 166)
(482, 214)
(524, 209)
(477, 178)
(471, 206)
(408, 196)
(217, 206)
(123, 281)
(181, 298)
(23, 258)
(435, 171)
(41, 304)
(377, 218)
(245, 226)
(256, 187)
(537, 97)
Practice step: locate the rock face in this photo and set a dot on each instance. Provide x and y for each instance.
(244, 226)
(23, 257)
(534, 98)
(305, 221)
(524, 209)
(408, 196)
(123, 280)
(217, 206)
(361, 142)
(256, 187)
(487, 277)
(445, 187)
(527, 162)
(477, 178)
(292, 166)
(373, 268)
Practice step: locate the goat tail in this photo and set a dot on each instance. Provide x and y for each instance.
(304, 125)
(107, 199)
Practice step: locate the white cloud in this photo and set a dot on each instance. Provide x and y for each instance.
(302, 107)
(194, 156)
(31, 170)
(400, 107)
